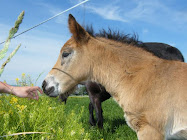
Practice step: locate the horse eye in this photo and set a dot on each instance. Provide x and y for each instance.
(65, 54)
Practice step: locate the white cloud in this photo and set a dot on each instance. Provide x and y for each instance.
(143, 9)
(108, 12)
(154, 12)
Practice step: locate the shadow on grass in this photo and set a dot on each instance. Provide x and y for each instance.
(115, 123)
(118, 122)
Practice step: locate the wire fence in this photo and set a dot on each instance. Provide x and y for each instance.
(48, 19)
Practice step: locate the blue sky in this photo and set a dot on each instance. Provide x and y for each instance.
(153, 20)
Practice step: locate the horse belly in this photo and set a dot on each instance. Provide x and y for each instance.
(180, 135)
(177, 129)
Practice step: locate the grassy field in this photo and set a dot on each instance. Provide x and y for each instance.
(54, 120)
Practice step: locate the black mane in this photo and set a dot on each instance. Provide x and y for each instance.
(115, 35)
(160, 50)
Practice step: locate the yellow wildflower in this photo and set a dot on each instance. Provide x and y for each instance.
(17, 79)
(13, 100)
(23, 74)
(18, 106)
(32, 85)
(21, 107)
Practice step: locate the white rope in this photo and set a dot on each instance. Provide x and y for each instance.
(48, 19)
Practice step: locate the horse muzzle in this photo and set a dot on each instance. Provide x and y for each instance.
(50, 87)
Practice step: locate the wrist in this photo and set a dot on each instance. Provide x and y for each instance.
(11, 90)
(5, 88)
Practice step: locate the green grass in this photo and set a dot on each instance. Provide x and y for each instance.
(59, 121)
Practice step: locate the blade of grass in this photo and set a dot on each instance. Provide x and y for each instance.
(24, 133)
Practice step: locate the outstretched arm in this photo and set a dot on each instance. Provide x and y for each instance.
(23, 92)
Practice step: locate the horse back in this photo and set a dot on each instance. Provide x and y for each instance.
(163, 50)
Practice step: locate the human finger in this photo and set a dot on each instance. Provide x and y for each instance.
(35, 93)
(38, 88)
(30, 96)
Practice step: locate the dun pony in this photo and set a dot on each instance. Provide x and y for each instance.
(97, 93)
(151, 91)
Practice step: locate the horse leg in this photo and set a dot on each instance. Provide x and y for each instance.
(91, 119)
(99, 113)
(149, 133)
(95, 94)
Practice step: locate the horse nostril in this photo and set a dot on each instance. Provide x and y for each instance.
(44, 84)
(45, 90)
(50, 90)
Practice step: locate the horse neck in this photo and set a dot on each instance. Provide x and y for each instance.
(115, 67)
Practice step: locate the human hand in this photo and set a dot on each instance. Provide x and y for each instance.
(27, 92)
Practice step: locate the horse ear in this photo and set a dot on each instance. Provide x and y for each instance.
(78, 32)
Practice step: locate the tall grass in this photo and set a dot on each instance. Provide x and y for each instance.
(46, 116)
(4, 50)
(58, 121)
